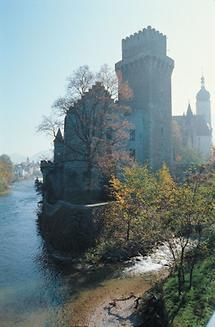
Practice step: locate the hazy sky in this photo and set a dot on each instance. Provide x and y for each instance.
(43, 41)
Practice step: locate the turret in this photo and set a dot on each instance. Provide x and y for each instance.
(203, 105)
(189, 112)
(58, 147)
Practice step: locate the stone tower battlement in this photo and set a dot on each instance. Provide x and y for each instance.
(147, 70)
(148, 41)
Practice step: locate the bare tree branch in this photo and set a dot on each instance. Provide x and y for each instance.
(49, 125)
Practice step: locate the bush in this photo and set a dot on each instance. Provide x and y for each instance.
(152, 310)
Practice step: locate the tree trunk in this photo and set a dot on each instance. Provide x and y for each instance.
(191, 277)
(180, 281)
(128, 231)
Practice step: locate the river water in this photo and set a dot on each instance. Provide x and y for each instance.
(33, 286)
(38, 287)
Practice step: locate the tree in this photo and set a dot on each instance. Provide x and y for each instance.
(79, 82)
(6, 173)
(96, 128)
(184, 212)
(107, 77)
(95, 133)
(49, 125)
(6, 159)
(130, 215)
(153, 206)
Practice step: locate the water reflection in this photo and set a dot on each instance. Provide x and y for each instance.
(35, 287)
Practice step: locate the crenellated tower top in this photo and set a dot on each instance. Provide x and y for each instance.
(147, 41)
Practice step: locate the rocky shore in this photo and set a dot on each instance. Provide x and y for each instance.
(113, 302)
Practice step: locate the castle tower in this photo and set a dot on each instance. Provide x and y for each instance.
(58, 147)
(147, 70)
(203, 105)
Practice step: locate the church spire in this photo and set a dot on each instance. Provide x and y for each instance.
(189, 111)
(203, 107)
(202, 81)
(203, 94)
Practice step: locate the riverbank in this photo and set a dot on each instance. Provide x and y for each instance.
(93, 308)
(9, 187)
(4, 192)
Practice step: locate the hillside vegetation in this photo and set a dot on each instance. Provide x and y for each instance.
(5, 173)
(152, 208)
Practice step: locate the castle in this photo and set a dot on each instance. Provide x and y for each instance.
(147, 70)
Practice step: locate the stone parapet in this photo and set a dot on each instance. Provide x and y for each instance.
(147, 41)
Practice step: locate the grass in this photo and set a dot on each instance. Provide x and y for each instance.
(199, 302)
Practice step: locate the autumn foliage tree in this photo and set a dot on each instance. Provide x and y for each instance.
(134, 194)
(5, 172)
(152, 206)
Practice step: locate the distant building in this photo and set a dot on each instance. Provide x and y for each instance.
(196, 130)
(26, 169)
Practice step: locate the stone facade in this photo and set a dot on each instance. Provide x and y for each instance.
(74, 175)
(147, 70)
(196, 128)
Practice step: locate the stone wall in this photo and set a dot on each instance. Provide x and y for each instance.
(71, 228)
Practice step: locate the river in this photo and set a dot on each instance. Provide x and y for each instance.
(33, 286)
(39, 289)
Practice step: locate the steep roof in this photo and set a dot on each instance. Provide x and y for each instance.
(59, 137)
(189, 111)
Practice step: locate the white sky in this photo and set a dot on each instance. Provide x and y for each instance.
(43, 41)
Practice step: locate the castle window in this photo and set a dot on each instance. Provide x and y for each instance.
(132, 135)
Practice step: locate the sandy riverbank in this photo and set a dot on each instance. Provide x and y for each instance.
(91, 308)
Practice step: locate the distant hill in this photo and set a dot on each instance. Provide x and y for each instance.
(42, 155)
